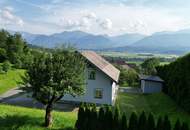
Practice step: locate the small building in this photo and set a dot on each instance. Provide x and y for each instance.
(101, 81)
(151, 84)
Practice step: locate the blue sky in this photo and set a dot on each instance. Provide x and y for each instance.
(112, 17)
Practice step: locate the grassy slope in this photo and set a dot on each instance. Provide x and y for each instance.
(21, 118)
(158, 104)
(10, 79)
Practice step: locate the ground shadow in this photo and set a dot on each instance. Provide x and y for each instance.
(14, 122)
(23, 100)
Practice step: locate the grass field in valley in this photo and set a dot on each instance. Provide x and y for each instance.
(10, 79)
(20, 118)
(159, 104)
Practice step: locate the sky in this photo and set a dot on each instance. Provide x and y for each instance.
(110, 17)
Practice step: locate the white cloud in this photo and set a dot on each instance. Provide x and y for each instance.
(90, 15)
(7, 17)
(105, 23)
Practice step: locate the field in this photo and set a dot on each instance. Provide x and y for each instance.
(21, 118)
(10, 79)
(139, 58)
(159, 104)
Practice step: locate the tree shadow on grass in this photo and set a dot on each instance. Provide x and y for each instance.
(14, 122)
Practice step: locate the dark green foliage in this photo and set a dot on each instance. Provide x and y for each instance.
(104, 120)
(101, 119)
(116, 118)
(80, 119)
(6, 66)
(177, 125)
(128, 77)
(184, 126)
(149, 66)
(14, 49)
(3, 55)
(166, 124)
(108, 119)
(177, 80)
(123, 122)
(53, 75)
(150, 122)
(133, 122)
(160, 124)
(142, 123)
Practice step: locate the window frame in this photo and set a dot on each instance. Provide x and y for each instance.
(90, 75)
(100, 96)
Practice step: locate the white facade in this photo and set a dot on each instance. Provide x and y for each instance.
(151, 86)
(102, 83)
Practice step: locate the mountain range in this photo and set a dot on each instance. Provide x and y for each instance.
(161, 42)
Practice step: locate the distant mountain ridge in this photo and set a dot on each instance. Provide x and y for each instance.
(177, 42)
(81, 40)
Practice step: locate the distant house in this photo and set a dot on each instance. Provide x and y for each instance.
(151, 84)
(101, 78)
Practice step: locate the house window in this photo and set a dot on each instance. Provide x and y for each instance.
(91, 74)
(98, 93)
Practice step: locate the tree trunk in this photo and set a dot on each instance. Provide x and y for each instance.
(48, 117)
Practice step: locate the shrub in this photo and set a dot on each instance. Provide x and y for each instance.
(177, 125)
(123, 122)
(167, 124)
(133, 123)
(151, 122)
(159, 125)
(142, 123)
(6, 66)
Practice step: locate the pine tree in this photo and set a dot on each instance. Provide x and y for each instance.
(133, 122)
(177, 125)
(142, 121)
(116, 118)
(167, 124)
(101, 119)
(123, 124)
(150, 122)
(159, 125)
(93, 118)
(184, 126)
(79, 123)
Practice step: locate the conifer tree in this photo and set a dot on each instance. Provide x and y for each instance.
(123, 124)
(116, 118)
(79, 123)
(177, 125)
(101, 119)
(159, 125)
(133, 122)
(184, 126)
(150, 122)
(142, 121)
(93, 118)
(167, 124)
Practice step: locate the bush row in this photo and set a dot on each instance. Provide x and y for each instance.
(109, 118)
(177, 80)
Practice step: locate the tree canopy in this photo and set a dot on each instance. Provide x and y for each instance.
(52, 75)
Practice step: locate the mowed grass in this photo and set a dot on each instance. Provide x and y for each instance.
(20, 118)
(159, 104)
(10, 79)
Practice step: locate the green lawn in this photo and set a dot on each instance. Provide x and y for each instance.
(158, 104)
(10, 79)
(20, 118)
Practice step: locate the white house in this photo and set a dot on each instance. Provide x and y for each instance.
(102, 79)
(151, 84)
